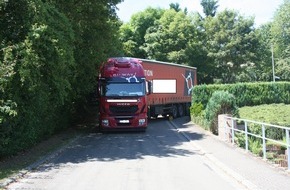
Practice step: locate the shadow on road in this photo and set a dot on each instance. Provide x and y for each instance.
(160, 140)
(183, 124)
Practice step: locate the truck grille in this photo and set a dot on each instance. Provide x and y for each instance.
(123, 109)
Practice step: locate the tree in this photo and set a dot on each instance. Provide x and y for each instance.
(167, 39)
(40, 62)
(95, 27)
(196, 52)
(283, 69)
(132, 33)
(15, 19)
(231, 43)
(175, 6)
(209, 7)
(281, 30)
(263, 66)
(49, 55)
(281, 40)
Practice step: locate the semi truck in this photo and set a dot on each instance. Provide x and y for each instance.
(132, 90)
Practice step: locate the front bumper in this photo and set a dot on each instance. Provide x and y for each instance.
(123, 122)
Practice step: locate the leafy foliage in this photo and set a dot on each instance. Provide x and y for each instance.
(132, 33)
(255, 145)
(209, 7)
(225, 46)
(231, 42)
(277, 114)
(196, 109)
(15, 20)
(175, 6)
(218, 46)
(221, 102)
(283, 69)
(247, 94)
(40, 85)
(49, 55)
(262, 70)
(167, 38)
(250, 94)
(281, 30)
(95, 28)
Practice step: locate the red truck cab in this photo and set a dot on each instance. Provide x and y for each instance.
(122, 93)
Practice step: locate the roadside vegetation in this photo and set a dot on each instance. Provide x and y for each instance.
(232, 55)
(50, 53)
(225, 46)
(277, 114)
(245, 95)
(245, 101)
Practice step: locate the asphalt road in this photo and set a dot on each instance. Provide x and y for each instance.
(158, 159)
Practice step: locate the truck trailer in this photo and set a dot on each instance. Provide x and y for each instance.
(132, 90)
(171, 88)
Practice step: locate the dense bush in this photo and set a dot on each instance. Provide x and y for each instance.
(49, 55)
(277, 114)
(221, 102)
(196, 109)
(246, 94)
(39, 86)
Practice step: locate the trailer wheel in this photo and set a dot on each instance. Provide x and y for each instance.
(180, 110)
(174, 111)
(187, 109)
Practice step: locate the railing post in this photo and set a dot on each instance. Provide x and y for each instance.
(233, 132)
(246, 136)
(288, 148)
(225, 128)
(264, 143)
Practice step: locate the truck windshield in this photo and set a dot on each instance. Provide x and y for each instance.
(123, 89)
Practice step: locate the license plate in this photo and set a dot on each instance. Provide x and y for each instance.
(124, 121)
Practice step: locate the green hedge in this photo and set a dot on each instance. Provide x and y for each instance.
(36, 87)
(246, 94)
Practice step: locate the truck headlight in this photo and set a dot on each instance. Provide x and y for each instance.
(142, 121)
(105, 122)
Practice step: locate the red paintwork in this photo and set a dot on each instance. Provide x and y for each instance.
(122, 68)
(117, 67)
(163, 70)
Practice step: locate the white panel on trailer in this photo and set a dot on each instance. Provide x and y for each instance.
(164, 86)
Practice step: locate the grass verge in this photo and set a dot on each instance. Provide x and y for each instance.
(22, 160)
(12, 165)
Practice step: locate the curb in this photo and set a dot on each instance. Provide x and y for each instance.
(36, 164)
(229, 172)
(242, 150)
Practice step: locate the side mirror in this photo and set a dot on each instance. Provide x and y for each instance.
(100, 84)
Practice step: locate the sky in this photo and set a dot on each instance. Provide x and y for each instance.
(262, 10)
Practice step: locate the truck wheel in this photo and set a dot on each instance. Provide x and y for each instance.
(174, 111)
(180, 110)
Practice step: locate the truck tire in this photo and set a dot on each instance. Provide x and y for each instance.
(187, 109)
(174, 111)
(180, 110)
